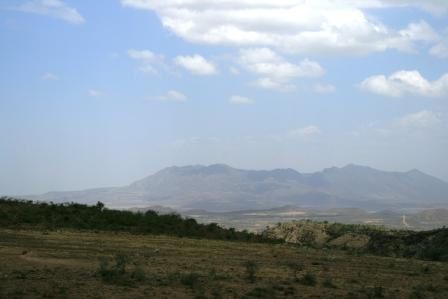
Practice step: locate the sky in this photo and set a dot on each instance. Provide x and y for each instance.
(105, 92)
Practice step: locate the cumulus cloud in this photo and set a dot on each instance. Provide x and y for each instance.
(196, 65)
(274, 71)
(320, 26)
(53, 8)
(306, 132)
(420, 31)
(422, 119)
(403, 83)
(148, 60)
(172, 96)
(48, 76)
(240, 100)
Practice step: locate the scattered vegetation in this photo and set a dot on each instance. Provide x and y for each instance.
(87, 264)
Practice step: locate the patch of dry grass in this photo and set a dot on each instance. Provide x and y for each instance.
(65, 264)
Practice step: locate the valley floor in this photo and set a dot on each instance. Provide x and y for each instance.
(71, 264)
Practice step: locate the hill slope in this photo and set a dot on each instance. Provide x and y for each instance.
(71, 264)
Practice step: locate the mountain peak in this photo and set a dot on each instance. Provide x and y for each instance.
(356, 166)
(348, 167)
(197, 169)
(415, 171)
(219, 166)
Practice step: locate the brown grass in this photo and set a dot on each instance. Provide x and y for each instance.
(64, 264)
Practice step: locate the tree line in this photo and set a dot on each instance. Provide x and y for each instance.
(17, 213)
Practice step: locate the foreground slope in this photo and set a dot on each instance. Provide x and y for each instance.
(79, 251)
(69, 264)
(222, 188)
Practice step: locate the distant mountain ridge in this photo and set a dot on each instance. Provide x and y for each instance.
(219, 187)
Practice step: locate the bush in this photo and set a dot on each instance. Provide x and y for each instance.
(251, 270)
(375, 292)
(116, 273)
(107, 272)
(190, 280)
(309, 279)
(138, 274)
(426, 269)
(328, 283)
(267, 293)
(295, 268)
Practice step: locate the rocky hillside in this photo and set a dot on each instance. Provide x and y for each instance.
(428, 245)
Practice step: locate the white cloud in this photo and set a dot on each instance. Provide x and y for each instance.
(306, 132)
(54, 8)
(420, 31)
(269, 83)
(49, 77)
(172, 96)
(196, 65)
(403, 83)
(274, 71)
(318, 26)
(148, 60)
(324, 88)
(422, 119)
(94, 93)
(240, 100)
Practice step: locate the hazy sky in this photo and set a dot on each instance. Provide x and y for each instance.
(100, 93)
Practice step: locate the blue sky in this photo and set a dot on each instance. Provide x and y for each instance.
(100, 93)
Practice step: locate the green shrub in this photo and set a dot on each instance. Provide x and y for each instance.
(116, 272)
(328, 283)
(251, 270)
(266, 293)
(309, 279)
(295, 268)
(375, 292)
(190, 280)
(417, 294)
(138, 274)
(426, 269)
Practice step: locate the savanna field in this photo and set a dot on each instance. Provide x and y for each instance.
(73, 264)
(71, 250)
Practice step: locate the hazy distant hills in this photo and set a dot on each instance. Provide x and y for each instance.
(223, 188)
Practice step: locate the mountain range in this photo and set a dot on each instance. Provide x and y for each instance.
(219, 187)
